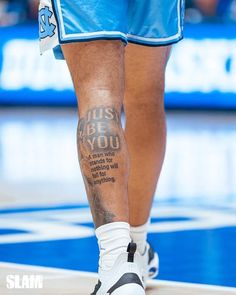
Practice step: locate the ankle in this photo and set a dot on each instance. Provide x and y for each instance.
(113, 239)
(139, 236)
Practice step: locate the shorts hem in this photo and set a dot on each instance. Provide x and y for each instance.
(124, 40)
(59, 55)
(155, 43)
(89, 39)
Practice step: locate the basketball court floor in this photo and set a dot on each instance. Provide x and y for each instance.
(45, 223)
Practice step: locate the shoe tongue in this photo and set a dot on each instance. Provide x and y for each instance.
(132, 247)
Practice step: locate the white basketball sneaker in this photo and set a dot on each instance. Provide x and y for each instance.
(125, 277)
(150, 262)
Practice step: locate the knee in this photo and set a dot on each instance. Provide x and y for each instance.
(149, 84)
(99, 97)
(147, 98)
(145, 108)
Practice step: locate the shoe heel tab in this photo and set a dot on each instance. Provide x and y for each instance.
(132, 247)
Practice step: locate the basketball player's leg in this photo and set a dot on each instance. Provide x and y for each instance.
(145, 127)
(97, 69)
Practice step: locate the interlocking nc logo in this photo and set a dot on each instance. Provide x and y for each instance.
(47, 29)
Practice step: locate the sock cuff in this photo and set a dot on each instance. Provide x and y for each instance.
(141, 228)
(111, 227)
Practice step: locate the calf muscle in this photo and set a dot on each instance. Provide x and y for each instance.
(103, 160)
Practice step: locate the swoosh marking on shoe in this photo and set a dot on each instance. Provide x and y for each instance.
(97, 287)
(127, 278)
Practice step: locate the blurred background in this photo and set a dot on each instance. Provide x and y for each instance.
(195, 202)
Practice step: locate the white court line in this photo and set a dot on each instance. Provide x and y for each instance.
(84, 274)
(49, 225)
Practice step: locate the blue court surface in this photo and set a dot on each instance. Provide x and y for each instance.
(193, 245)
(45, 219)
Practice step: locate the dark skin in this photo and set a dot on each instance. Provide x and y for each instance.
(100, 142)
(107, 76)
(145, 129)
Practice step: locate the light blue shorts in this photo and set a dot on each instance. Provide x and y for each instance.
(145, 22)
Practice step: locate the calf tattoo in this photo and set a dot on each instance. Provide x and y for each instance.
(95, 130)
(100, 213)
(99, 142)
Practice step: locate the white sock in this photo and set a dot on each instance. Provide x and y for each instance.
(139, 236)
(113, 239)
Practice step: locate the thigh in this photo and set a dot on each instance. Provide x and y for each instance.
(145, 72)
(97, 70)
